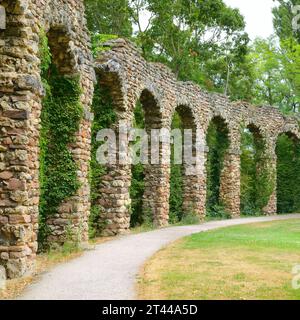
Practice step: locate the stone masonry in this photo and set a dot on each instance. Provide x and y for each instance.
(130, 79)
(21, 92)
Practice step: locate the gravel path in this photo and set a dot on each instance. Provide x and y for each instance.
(109, 271)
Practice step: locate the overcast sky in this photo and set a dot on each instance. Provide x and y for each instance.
(258, 16)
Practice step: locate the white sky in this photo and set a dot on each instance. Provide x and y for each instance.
(258, 16)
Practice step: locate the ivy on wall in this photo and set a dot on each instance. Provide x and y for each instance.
(176, 180)
(104, 117)
(137, 188)
(60, 120)
(98, 41)
(257, 182)
(218, 143)
(288, 174)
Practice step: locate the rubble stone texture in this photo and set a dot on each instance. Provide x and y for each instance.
(21, 92)
(130, 78)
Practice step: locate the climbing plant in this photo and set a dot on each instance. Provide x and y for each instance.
(104, 117)
(60, 119)
(288, 174)
(98, 41)
(218, 143)
(257, 182)
(138, 215)
(176, 181)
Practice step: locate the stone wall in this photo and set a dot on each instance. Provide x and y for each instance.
(21, 92)
(132, 78)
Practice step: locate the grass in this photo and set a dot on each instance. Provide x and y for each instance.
(243, 262)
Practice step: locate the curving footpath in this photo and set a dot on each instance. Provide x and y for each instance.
(109, 272)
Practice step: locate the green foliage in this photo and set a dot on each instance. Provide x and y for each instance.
(288, 175)
(257, 182)
(61, 115)
(218, 143)
(275, 74)
(218, 211)
(283, 17)
(98, 41)
(290, 50)
(176, 181)
(104, 117)
(176, 194)
(109, 17)
(189, 218)
(267, 72)
(248, 173)
(199, 40)
(139, 216)
(44, 54)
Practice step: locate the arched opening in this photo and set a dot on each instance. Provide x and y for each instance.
(137, 188)
(288, 173)
(182, 199)
(61, 115)
(217, 140)
(254, 195)
(105, 112)
(123, 194)
(145, 174)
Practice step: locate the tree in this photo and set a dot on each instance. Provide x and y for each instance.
(109, 17)
(283, 17)
(202, 41)
(290, 48)
(270, 84)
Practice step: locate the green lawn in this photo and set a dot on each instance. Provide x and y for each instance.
(243, 262)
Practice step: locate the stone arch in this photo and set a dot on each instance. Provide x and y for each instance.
(218, 141)
(113, 188)
(70, 219)
(152, 109)
(111, 76)
(22, 92)
(115, 198)
(62, 50)
(290, 128)
(221, 122)
(152, 100)
(256, 169)
(193, 169)
(255, 129)
(156, 172)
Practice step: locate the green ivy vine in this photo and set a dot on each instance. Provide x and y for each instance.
(60, 120)
(218, 143)
(104, 117)
(257, 180)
